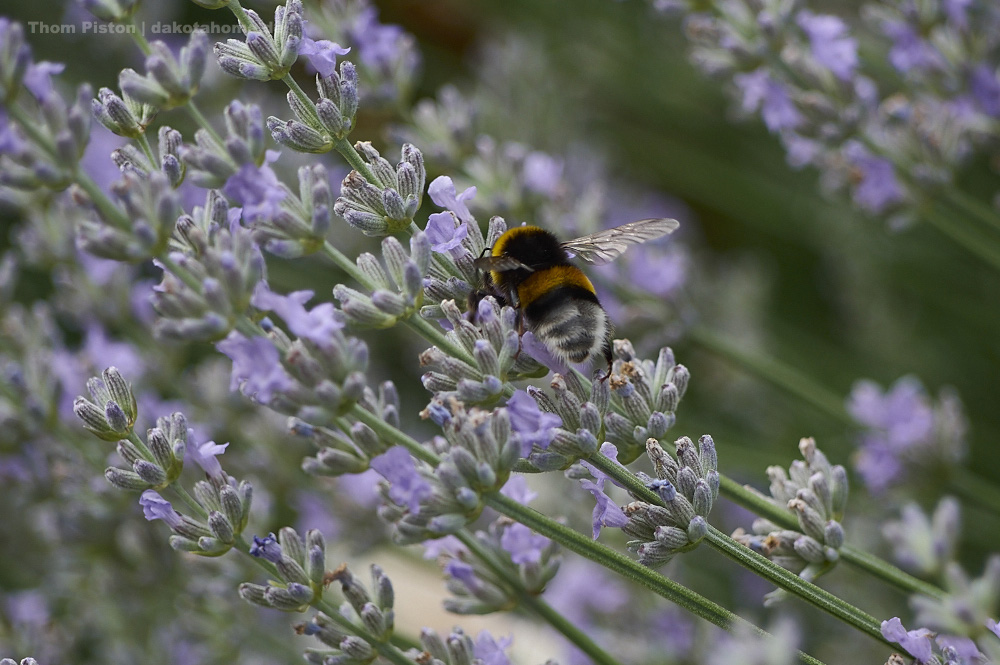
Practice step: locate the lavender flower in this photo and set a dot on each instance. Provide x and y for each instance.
(606, 511)
(387, 205)
(406, 487)
(322, 54)
(301, 567)
(906, 432)
(264, 56)
(532, 426)
(924, 545)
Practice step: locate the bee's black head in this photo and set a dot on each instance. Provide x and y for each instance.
(532, 246)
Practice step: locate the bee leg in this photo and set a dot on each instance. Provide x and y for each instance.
(520, 332)
(607, 356)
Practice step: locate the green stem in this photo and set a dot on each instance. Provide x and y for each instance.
(390, 433)
(387, 650)
(777, 373)
(972, 206)
(196, 115)
(870, 563)
(353, 157)
(974, 489)
(784, 579)
(303, 98)
(970, 240)
(147, 150)
(535, 604)
(749, 559)
(195, 507)
(237, 9)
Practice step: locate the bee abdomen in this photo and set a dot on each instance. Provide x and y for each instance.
(570, 322)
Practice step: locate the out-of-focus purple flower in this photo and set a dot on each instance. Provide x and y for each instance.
(917, 643)
(314, 513)
(903, 412)
(985, 88)
(762, 91)
(606, 511)
(257, 370)
(449, 546)
(831, 44)
(571, 592)
(659, 271)
(445, 232)
(910, 52)
(877, 187)
(523, 544)
(955, 10)
(531, 425)
(517, 488)
(205, 454)
(11, 142)
(879, 466)
(379, 44)
(257, 189)
(100, 351)
(443, 193)
(317, 325)
(96, 161)
(322, 54)
(155, 507)
(406, 486)
(542, 173)
(27, 608)
(361, 488)
(542, 353)
(266, 548)
(491, 650)
(993, 627)
(37, 78)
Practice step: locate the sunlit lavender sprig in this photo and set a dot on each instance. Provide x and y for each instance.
(815, 492)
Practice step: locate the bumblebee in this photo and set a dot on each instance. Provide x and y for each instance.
(530, 270)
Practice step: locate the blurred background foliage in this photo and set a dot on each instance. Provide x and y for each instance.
(782, 273)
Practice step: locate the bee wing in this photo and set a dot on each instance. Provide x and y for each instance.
(605, 246)
(498, 263)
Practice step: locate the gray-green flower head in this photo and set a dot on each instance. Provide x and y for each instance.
(111, 412)
(156, 464)
(969, 605)
(494, 344)
(125, 116)
(477, 455)
(151, 208)
(115, 11)
(226, 265)
(477, 588)
(301, 567)
(211, 164)
(169, 81)
(925, 545)
(387, 205)
(63, 132)
(338, 454)
(580, 411)
(398, 281)
(365, 613)
(456, 244)
(644, 397)
(129, 158)
(815, 492)
(300, 224)
(456, 648)
(264, 56)
(318, 126)
(688, 485)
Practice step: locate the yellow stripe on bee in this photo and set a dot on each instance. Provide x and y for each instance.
(509, 234)
(547, 279)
